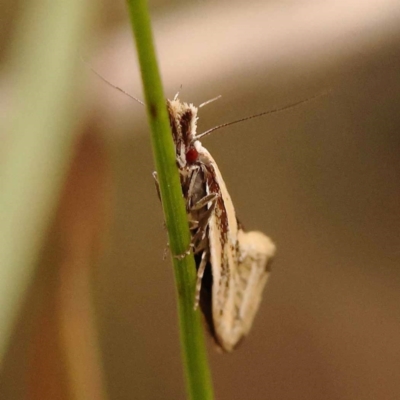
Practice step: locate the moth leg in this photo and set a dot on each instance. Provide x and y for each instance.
(199, 225)
(155, 176)
(197, 242)
(202, 245)
(180, 257)
(180, 158)
(165, 252)
(186, 253)
(193, 225)
(200, 273)
(202, 224)
(204, 201)
(196, 247)
(191, 188)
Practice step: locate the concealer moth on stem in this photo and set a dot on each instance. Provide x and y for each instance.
(232, 265)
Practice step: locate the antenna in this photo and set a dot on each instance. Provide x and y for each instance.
(275, 110)
(177, 93)
(209, 101)
(112, 85)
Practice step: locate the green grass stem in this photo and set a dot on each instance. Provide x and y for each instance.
(197, 372)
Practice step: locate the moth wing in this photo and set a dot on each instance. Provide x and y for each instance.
(256, 253)
(239, 264)
(248, 277)
(223, 259)
(223, 229)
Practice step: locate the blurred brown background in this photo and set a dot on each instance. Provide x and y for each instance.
(321, 179)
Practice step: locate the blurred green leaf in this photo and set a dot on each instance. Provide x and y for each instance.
(40, 137)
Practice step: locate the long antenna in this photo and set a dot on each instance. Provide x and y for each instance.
(112, 85)
(275, 110)
(210, 101)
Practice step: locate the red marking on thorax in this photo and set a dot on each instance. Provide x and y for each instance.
(192, 155)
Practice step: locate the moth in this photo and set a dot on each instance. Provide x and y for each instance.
(233, 265)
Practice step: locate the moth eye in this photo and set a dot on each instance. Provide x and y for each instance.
(192, 155)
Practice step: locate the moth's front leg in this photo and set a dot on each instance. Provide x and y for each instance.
(202, 223)
(205, 256)
(155, 177)
(187, 252)
(157, 184)
(200, 206)
(199, 209)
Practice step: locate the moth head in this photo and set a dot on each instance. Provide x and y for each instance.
(183, 121)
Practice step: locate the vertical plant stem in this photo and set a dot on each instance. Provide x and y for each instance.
(198, 376)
